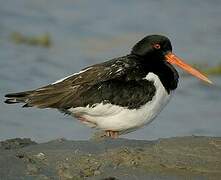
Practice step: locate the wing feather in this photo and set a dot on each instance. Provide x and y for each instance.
(69, 91)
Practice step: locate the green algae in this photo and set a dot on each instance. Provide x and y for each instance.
(216, 70)
(43, 40)
(206, 69)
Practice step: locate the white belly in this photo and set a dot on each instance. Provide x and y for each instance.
(116, 118)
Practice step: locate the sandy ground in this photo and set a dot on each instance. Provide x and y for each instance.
(172, 158)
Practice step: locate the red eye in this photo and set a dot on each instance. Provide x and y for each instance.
(156, 46)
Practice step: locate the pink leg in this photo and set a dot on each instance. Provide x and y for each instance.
(112, 134)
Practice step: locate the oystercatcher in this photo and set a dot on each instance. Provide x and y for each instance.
(119, 95)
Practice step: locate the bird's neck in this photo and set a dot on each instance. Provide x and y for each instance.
(164, 70)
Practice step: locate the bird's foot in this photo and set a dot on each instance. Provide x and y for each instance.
(112, 134)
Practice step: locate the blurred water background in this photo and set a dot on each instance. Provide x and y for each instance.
(88, 32)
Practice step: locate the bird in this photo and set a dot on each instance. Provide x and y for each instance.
(117, 96)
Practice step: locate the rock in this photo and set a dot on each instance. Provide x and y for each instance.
(173, 158)
(32, 169)
(97, 172)
(64, 171)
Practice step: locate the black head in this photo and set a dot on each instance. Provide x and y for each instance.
(155, 52)
(152, 46)
(151, 52)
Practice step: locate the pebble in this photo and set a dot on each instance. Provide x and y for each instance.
(97, 172)
(40, 156)
(32, 169)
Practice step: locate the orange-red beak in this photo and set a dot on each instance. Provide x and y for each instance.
(173, 59)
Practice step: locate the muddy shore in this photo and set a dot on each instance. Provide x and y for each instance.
(172, 158)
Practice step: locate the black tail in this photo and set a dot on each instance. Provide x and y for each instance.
(46, 97)
(20, 97)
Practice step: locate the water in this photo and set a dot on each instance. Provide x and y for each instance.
(88, 32)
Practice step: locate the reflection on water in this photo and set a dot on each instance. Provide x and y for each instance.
(88, 32)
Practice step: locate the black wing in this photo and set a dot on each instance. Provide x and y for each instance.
(119, 81)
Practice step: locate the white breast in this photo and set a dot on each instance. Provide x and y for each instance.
(116, 118)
